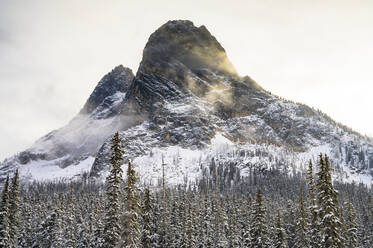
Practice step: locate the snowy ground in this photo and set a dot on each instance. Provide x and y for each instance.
(42, 170)
(184, 166)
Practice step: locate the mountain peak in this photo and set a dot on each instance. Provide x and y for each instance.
(118, 80)
(182, 46)
(187, 97)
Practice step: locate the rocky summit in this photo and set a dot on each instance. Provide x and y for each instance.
(186, 105)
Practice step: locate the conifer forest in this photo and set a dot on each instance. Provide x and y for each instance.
(221, 209)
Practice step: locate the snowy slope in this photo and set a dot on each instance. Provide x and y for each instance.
(40, 170)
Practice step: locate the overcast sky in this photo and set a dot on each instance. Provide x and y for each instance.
(53, 53)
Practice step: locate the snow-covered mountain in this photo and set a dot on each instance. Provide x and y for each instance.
(188, 105)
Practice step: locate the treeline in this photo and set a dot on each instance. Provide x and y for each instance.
(222, 209)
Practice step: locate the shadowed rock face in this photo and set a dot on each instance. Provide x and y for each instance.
(180, 60)
(118, 80)
(178, 47)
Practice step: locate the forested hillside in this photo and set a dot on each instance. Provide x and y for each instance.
(222, 209)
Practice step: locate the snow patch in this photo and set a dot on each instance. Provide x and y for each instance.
(42, 170)
(182, 166)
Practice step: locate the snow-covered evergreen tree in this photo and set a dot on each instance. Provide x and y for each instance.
(247, 215)
(280, 239)
(289, 219)
(330, 225)
(14, 206)
(98, 239)
(50, 232)
(68, 220)
(190, 225)
(205, 219)
(113, 226)
(132, 225)
(233, 234)
(301, 235)
(259, 230)
(313, 217)
(219, 222)
(147, 220)
(4, 216)
(350, 227)
(26, 232)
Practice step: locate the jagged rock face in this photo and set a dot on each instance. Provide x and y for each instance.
(178, 50)
(117, 81)
(181, 44)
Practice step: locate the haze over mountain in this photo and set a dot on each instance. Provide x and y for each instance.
(187, 104)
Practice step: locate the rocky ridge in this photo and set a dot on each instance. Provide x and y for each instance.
(185, 93)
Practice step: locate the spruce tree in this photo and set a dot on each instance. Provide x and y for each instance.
(14, 206)
(289, 221)
(330, 225)
(259, 232)
(280, 239)
(68, 218)
(132, 231)
(190, 225)
(301, 234)
(350, 227)
(206, 220)
(98, 240)
(26, 233)
(4, 216)
(174, 233)
(82, 232)
(233, 213)
(50, 231)
(219, 222)
(113, 228)
(247, 218)
(313, 217)
(183, 216)
(147, 220)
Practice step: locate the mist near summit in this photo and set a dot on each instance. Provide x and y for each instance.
(54, 53)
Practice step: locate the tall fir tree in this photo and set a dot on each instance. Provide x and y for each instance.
(68, 218)
(147, 220)
(259, 229)
(4, 216)
(350, 235)
(14, 207)
(330, 225)
(113, 227)
(219, 222)
(50, 231)
(280, 239)
(313, 217)
(247, 218)
(206, 220)
(98, 239)
(301, 237)
(132, 225)
(289, 221)
(26, 233)
(233, 236)
(190, 225)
